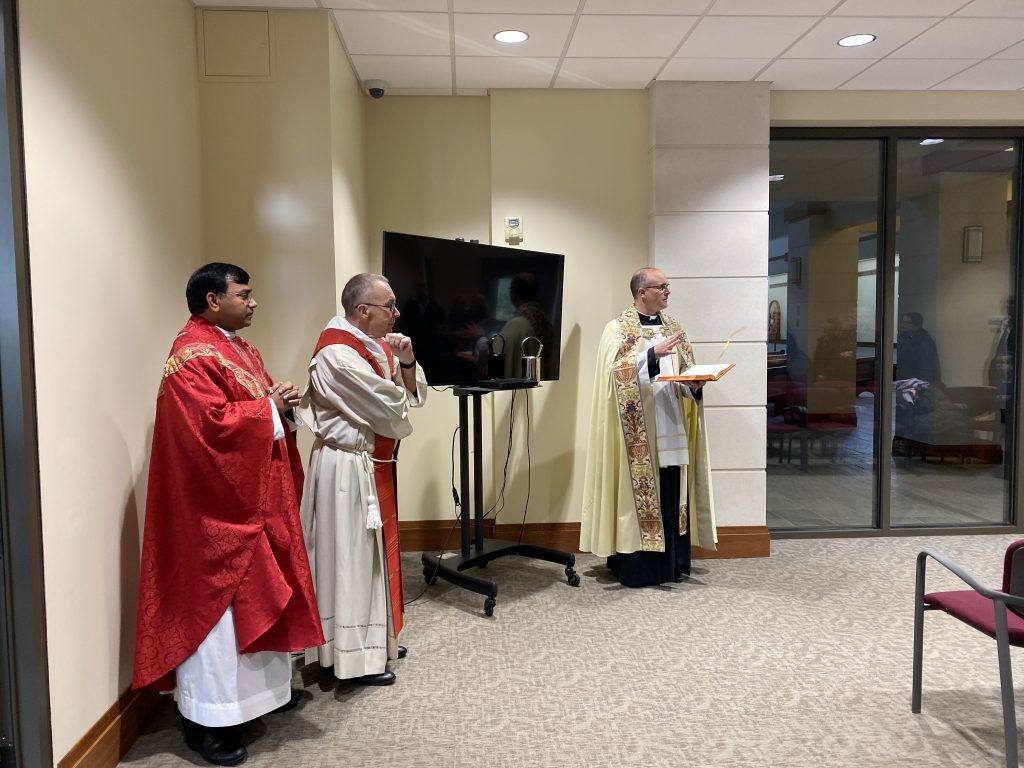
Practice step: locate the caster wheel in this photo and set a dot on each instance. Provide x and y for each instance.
(430, 575)
(572, 577)
(489, 606)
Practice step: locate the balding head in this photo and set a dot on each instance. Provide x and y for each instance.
(359, 290)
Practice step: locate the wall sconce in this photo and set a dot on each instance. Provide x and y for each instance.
(972, 245)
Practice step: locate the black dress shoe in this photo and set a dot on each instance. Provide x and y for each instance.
(289, 705)
(218, 746)
(402, 651)
(383, 678)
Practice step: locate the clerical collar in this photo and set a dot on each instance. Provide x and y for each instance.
(649, 319)
(226, 332)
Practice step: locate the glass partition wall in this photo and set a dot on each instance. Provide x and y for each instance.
(892, 343)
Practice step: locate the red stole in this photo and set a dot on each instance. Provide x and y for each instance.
(385, 449)
(222, 513)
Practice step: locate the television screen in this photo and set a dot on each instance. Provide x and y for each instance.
(473, 311)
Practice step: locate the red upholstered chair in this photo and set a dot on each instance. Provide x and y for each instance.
(996, 613)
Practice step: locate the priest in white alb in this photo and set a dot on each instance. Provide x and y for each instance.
(647, 490)
(363, 378)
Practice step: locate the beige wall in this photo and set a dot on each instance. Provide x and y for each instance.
(428, 173)
(269, 173)
(859, 108)
(112, 170)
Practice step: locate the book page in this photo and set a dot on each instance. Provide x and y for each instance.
(701, 373)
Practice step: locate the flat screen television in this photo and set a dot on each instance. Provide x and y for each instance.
(471, 309)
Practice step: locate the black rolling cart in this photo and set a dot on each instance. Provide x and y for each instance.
(453, 569)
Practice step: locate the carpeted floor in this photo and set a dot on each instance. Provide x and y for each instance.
(798, 660)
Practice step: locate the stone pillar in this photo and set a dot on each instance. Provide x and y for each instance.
(709, 234)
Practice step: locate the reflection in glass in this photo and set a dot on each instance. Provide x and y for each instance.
(953, 359)
(823, 220)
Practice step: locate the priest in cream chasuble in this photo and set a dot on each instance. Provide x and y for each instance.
(647, 491)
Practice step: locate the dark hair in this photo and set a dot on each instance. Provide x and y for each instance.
(914, 318)
(525, 286)
(211, 278)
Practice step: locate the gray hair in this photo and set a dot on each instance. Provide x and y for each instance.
(358, 289)
(639, 280)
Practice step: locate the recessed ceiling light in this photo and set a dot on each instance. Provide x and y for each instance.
(511, 36)
(852, 41)
(777, 177)
(929, 142)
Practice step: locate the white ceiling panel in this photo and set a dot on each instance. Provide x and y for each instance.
(503, 72)
(811, 74)
(1007, 8)
(720, 70)
(822, 42)
(474, 34)
(607, 73)
(406, 71)
(774, 8)
(515, 6)
(737, 37)
(629, 36)
(394, 33)
(420, 92)
(1014, 52)
(897, 7)
(964, 39)
(907, 74)
(440, 6)
(647, 7)
(987, 76)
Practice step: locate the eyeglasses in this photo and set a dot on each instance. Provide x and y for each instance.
(389, 307)
(245, 296)
(663, 287)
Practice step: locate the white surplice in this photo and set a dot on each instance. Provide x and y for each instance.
(345, 404)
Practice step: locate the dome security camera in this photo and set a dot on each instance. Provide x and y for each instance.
(375, 88)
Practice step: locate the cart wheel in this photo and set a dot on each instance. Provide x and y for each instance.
(430, 575)
(489, 606)
(573, 577)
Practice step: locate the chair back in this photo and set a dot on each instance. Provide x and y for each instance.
(1013, 572)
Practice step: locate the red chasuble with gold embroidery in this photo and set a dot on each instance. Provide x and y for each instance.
(222, 520)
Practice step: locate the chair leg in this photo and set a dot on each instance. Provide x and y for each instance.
(915, 695)
(1006, 685)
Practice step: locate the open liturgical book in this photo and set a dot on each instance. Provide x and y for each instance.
(701, 373)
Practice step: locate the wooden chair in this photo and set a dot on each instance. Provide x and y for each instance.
(997, 613)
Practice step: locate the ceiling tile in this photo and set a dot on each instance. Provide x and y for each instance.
(406, 71)
(722, 37)
(503, 72)
(964, 39)
(811, 75)
(774, 8)
(607, 73)
(629, 36)
(897, 7)
(907, 74)
(647, 7)
(516, 6)
(1009, 8)
(440, 6)
(822, 41)
(724, 70)
(474, 34)
(1014, 52)
(394, 33)
(987, 76)
(420, 92)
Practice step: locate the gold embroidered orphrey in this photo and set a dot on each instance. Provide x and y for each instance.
(191, 351)
(642, 473)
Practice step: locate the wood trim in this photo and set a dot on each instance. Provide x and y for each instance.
(426, 535)
(110, 738)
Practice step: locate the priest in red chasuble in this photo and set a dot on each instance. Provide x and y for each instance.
(226, 591)
(363, 379)
(647, 489)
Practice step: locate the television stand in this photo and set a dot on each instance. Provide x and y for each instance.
(453, 568)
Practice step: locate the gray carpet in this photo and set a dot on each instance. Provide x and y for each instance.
(803, 659)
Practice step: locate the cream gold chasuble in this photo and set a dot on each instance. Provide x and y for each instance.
(621, 500)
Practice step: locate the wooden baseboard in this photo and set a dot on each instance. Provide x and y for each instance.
(106, 742)
(419, 535)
